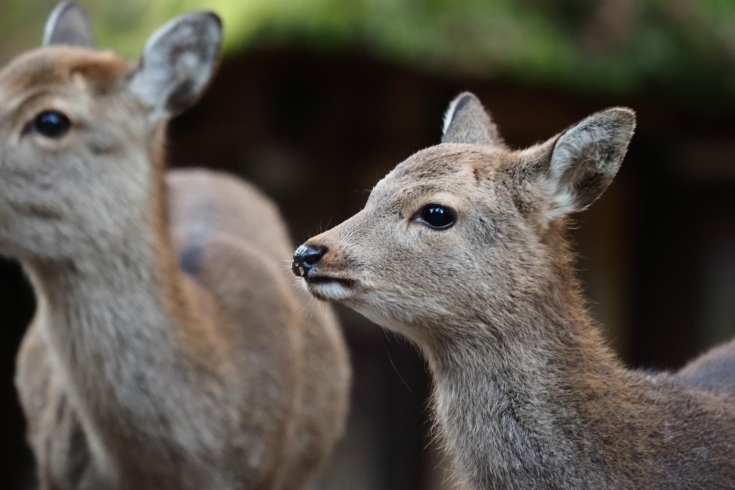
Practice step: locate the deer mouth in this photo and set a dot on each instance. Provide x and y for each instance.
(329, 288)
(324, 279)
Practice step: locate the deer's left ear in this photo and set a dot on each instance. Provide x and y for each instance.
(178, 63)
(467, 121)
(573, 169)
(68, 25)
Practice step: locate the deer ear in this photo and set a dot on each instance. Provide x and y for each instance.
(466, 121)
(574, 168)
(68, 25)
(178, 62)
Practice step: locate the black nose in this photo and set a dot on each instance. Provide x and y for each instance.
(305, 258)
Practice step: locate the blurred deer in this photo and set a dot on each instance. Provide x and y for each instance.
(169, 349)
(462, 249)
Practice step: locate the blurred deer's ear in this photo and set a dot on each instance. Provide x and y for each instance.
(573, 169)
(178, 62)
(68, 24)
(466, 121)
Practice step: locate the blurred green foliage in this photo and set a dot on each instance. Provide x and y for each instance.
(684, 47)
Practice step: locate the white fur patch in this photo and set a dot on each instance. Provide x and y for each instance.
(330, 291)
(449, 115)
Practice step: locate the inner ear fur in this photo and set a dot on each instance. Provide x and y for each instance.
(178, 62)
(467, 121)
(68, 25)
(571, 170)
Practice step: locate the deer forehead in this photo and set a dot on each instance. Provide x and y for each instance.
(445, 168)
(60, 66)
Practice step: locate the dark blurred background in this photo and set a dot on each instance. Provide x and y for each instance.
(317, 99)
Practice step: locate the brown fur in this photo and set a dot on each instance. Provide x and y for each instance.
(169, 349)
(526, 394)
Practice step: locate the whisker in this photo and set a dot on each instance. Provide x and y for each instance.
(396, 370)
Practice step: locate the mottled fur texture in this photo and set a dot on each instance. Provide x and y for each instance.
(526, 393)
(170, 349)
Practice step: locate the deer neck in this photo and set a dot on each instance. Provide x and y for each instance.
(133, 289)
(517, 388)
(124, 332)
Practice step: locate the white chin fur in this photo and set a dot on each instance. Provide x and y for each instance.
(330, 291)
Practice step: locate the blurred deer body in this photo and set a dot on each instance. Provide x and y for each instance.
(462, 249)
(169, 350)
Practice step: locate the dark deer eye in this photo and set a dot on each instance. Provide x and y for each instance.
(437, 216)
(51, 124)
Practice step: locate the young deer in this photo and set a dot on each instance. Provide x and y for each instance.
(169, 349)
(462, 249)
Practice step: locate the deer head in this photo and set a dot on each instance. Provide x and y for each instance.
(80, 128)
(466, 229)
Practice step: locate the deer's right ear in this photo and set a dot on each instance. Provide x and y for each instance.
(68, 25)
(466, 121)
(178, 62)
(573, 169)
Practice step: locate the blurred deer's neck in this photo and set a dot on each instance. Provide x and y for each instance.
(136, 278)
(139, 269)
(121, 324)
(515, 374)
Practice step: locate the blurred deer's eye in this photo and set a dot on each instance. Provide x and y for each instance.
(51, 124)
(437, 216)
